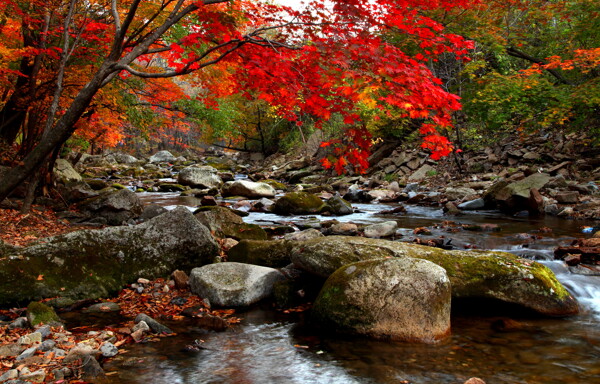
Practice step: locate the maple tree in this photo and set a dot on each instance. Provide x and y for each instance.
(319, 61)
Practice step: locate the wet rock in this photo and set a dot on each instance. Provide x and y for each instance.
(400, 299)
(91, 369)
(233, 284)
(208, 201)
(385, 229)
(514, 197)
(224, 222)
(566, 212)
(246, 188)
(481, 274)
(116, 256)
(141, 327)
(536, 202)
(338, 206)
(154, 325)
(572, 260)
(273, 254)
(567, 197)
(116, 207)
(298, 203)
(472, 205)
(162, 157)
(307, 234)
(451, 208)
(200, 177)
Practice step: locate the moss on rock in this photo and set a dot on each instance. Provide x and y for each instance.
(274, 254)
(298, 203)
(39, 313)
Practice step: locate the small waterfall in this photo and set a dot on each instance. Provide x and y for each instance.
(586, 289)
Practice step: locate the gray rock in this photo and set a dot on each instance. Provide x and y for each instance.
(385, 229)
(109, 350)
(91, 369)
(472, 204)
(224, 222)
(80, 351)
(338, 206)
(11, 350)
(151, 211)
(233, 284)
(400, 299)
(116, 255)
(27, 353)
(20, 322)
(200, 177)
(47, 345)
(9, 375)
(44, 330)
(64, 171)
(459, 193)
(422, 173)
(247, 188)
(141, 325)
(124, 158)
(162, 157)
(116, 207)
(154, 325)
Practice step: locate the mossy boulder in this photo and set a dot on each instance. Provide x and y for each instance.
(338, 206)
(400, 299)
(89, 264)
(274, 254)
(223, 222)
(473, 274)
(298, 203)
(275, 184)
(40, 313)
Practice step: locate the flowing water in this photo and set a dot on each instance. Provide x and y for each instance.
(273, 347)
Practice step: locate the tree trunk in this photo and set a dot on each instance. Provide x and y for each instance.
(56, 137)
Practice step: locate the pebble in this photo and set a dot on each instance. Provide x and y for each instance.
(27, 353)
(108, 350)
(47, 345)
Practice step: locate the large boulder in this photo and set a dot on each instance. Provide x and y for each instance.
(124, 158)
(162, 157)
(274, 254)
(90, 264)
(114, 206)
(247, 188)
(515, 196)
(473, 274)
(298, 203)
(64, 171)
(400, 299)
(200, 177)
(233, 284)
(223, 222)
(385, 229)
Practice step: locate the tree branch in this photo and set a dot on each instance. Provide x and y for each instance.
(512, 51)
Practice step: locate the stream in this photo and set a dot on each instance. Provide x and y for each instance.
(273, 347)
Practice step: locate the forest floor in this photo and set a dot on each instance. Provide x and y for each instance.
(22, 229)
